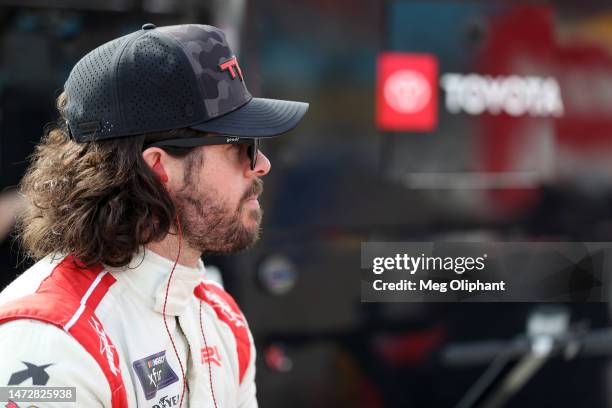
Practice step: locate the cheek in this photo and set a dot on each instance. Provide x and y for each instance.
(219, 175)
(226, 189)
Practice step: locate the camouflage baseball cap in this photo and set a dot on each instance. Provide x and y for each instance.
(162, 78)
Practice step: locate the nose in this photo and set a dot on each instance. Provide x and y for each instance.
(262, 167)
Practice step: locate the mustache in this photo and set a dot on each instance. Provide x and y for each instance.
(255, 189)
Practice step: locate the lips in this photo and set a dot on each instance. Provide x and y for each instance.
(251, 203)
(250, 200)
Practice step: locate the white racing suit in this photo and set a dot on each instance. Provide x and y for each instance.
(102, 331)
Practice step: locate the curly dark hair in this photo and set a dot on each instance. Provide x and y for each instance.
(97, 200)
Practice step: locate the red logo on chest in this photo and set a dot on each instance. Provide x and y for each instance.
(210, 355)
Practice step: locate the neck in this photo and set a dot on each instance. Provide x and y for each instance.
(169, 247)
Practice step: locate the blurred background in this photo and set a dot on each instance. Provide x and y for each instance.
(504, 133)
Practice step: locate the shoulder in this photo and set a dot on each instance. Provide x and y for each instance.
(222, 302)
(29, 281)
(37, 353)
(40, 343)
(55, 310)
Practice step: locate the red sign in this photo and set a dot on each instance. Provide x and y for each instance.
(407, 92)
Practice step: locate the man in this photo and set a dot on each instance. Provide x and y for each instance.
(155, 161)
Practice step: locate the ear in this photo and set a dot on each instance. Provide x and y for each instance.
(153, 158)
(159, 170)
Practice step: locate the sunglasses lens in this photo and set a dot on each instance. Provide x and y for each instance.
(253, 152)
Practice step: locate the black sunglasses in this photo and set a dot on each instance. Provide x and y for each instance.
(252, 149)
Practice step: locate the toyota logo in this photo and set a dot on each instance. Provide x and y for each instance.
(407, 91)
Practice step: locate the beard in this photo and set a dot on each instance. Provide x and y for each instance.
(211, 226)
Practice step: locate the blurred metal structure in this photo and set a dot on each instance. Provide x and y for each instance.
(514, 362)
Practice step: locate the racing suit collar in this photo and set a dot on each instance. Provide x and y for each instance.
(147, 275)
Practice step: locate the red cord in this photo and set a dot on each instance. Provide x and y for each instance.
(212, 390)
(180, 236)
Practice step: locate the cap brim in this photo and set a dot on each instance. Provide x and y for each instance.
(259, 117)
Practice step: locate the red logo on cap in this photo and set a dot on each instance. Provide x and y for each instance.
(407, 92)
(232, 66)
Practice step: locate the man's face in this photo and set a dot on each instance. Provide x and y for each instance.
(217, 202)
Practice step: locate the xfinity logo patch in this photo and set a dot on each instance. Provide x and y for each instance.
(154, 373)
